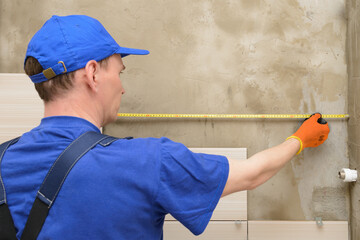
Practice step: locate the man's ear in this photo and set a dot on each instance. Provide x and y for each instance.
(92, 70)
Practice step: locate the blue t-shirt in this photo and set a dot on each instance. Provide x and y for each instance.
(122, 191)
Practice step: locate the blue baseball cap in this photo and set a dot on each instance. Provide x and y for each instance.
(66, 43)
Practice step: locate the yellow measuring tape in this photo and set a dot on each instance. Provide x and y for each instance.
(233, 116)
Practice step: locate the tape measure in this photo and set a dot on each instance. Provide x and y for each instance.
(231, 116)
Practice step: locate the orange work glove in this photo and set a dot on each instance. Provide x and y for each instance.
(312, 133)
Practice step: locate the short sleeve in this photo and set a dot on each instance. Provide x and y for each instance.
(190, 184)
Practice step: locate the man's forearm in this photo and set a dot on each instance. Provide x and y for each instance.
(267, 163)
(248, 174)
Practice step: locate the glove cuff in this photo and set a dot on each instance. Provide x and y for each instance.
(301, 143)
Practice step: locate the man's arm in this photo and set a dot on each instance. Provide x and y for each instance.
(248, 174)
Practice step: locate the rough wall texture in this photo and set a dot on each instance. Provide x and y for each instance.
(209, 56)
(353, 46)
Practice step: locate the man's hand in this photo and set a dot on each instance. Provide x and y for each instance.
(312, 133)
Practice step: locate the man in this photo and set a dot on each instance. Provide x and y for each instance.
(122, 190)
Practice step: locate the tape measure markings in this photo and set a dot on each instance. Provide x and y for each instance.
(274, 116)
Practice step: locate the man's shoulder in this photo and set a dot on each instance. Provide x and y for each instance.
(149, 145)
(142, 140)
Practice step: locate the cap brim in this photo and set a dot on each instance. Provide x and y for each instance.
(131, 51)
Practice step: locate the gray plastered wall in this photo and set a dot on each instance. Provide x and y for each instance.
(235, 56)
(353, 46)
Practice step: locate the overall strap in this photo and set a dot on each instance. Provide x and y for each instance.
(56, 177)
(7, 229)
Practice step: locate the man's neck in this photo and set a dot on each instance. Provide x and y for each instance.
(70, 108)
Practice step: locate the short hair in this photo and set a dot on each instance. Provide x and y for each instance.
(51, 89)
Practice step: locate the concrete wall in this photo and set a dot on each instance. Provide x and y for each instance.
(353, 46)
(213, 56)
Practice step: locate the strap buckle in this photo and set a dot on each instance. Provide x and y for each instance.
(54, 70)
(63, 66)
